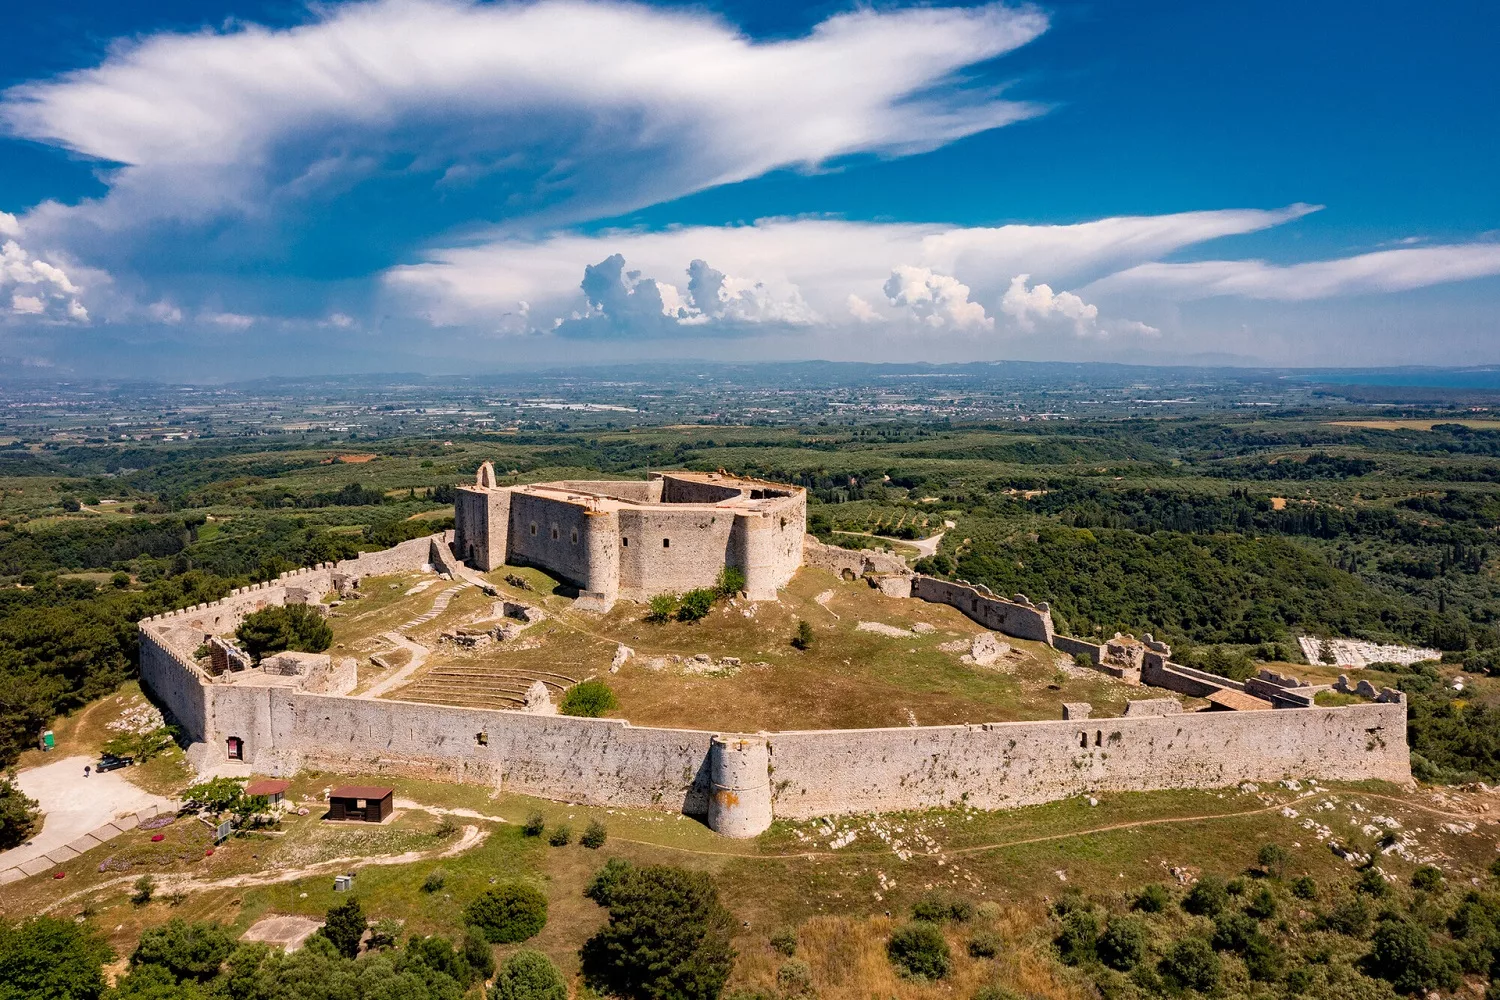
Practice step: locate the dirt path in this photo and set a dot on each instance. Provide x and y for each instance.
(169, 884)
(403, 674)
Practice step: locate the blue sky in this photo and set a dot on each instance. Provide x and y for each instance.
(218, 189)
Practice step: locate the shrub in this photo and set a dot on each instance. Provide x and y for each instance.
(1123, 943)
(383, 934)
(1273, 859)
(590, 699)
(937, 907)
(560, 836)
(1235, 887)
(1305, 887)
(1208, 897)
(1234, 931)
(435, 880)
(1428, 878)
(803, 638)
(984, 944)
(508, 913)
(51, 957)
(1153, 898)
(1191, 964)
(534, 825)
(731, 581)
(668, 936)
(1403, 954)
(1372, 883)
(794, 978)
(993, 992)
(919, 950)
(696, 604)
(1262, 905)
(344, 925)
(529, 975)
(1079, 939)
(661, 608)
(785, 941)
(1084, 660)
(144, 887)
(1350, 917)
(299, 627)
(477, 953)
(594, 835)
(187, 951)
(1263, 960)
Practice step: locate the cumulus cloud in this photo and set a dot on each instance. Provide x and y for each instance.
(1383, 271)
(824, 260)
(1039, 303)
(620, 302)
(558, 110)
(862, 310)
(229, 320)
(715, 296)
(36, 289)
(937, 301)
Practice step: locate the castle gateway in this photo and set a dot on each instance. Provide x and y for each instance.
(628, 539)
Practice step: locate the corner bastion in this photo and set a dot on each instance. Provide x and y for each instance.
(739, 782)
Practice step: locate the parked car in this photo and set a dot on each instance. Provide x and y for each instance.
(109, 762)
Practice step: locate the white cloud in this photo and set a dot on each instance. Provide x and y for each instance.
(10, 226)
(229, 320)
(583, 107)
(863, 311)
(716, 296)
(1028, 306)
(824, 261)
(1383, 271)
(164, 312)
(38, 289)
(937, 301)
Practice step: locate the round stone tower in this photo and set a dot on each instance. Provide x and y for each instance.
(739, 801)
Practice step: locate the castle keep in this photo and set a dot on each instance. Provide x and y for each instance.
(621, 539)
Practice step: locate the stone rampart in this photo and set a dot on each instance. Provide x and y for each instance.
(1018, 617)
(852, 563)
(1071, 646)
(1009, 764)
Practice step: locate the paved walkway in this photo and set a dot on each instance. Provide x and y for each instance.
(74, 810)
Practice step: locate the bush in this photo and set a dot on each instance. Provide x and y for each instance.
(1273, 859)
(534, 825)
(478, 955)
(784, 941)
(529, 975)
(1123, 943)
(1153, 898)
(1403, 954)
(1084, 660)
(187, 951)
(1428, 878)
(1079, 939)
(661, 608)
(937, 907)
(1191, 964)
(1372, 883)
(1263, 960)
(984, 944)
(1305, 887)
(50, 957)
(696, 604)
(1262, 905)
(344, 925)
(594, 835)
(508, 913)
(1234, 931)
(794, 978)
(589, 699)
(1350, 918)
(919, 950)
(668, 936)
(731, 581)
(803, 638)
(384, 933)
(1208, 898)
(299, 627)
(435, 880)
(560, 836)
(145, 886)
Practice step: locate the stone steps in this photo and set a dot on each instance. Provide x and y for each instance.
(438, 607)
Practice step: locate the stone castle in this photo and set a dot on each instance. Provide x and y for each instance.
(303, 714)
(672, 533)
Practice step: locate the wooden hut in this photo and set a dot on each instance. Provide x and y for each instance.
(370, 803)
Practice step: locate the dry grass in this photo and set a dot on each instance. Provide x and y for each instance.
(1412, 425)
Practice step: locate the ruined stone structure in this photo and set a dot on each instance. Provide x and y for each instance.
(297, 715)
(633, 540)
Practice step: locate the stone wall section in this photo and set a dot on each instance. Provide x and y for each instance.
(1017, 617)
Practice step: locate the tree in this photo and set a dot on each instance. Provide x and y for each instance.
(1123, 943)
(344, 926)
(1207, 898)
(590, 699)
(188, 951)
(299, 627)
(919, 950)
(803, 638)
(594, 836)
(529, 975)
(508, 913)
(1191, 964)
(1403, 954)
(18, 814)
(1079, 939)
(1273, 859)
(52, 958)
(696, 604)
(668, 936)
(217, 795)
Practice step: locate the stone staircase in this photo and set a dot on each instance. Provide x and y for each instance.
(438, 607)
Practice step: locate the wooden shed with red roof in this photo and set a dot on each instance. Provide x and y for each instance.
(273, 789)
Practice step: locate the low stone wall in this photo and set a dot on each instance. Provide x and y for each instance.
(1014, 618)
(850, 562)
(1072, 646)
